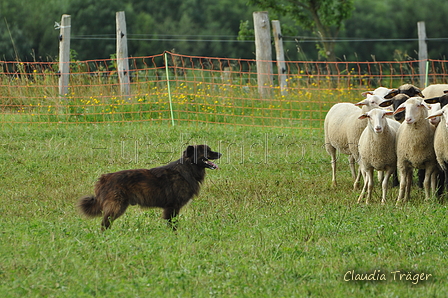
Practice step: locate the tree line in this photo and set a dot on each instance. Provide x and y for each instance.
(358, 30)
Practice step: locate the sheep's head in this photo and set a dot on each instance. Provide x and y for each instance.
(396, 101)
(439, 113)
(371, 102)
(415, 110)
(380, 91)
(442, 99)
(436, 119)
(400, 95)
(408, 89)
(377, 119)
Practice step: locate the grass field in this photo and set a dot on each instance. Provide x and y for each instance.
(266, 224)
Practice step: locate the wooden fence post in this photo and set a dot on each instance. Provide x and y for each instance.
(422, 53)
(263, 52)
(64, 54)
(122, 55)
(280, 55)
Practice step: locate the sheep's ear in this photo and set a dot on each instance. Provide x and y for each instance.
(392, 93)
(435, 114)
(386, 103)
(432, 100)
(367, 92)
(399, 109)
(426, 105)
(362, 103)
(388, 113)
(363, 116)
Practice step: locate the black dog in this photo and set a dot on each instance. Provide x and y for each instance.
(169, 187)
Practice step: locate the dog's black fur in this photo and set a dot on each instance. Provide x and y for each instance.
(169, 187)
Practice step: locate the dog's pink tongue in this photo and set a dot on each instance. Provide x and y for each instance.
(215, 166)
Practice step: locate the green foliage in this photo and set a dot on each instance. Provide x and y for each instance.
(210, 28)
(246, 32)
(378, 20)
(200, 28)
(311, 14)
(266, 224)
(26, 27)
(94, 23)
(324, 17)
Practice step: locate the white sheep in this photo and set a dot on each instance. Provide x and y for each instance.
(433, 118)
(377, 151)
(408, 89)
(397, 96)
(393, 124)
(342, 131)
(441, 140)
(437, 93)
(378, 99)
(380, 91)
(434, 90)
(415, 147)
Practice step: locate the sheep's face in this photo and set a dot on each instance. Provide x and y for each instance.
(396, 101)
(377, 119)
(408, 89)
(443, 100)
(380, 91)
(436, 119)
(415, 109)
(371, 102)
(400, 95)
(438, 114)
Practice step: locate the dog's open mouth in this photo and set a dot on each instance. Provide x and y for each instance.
(210, 165)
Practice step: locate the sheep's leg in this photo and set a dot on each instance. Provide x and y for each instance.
(445, 171)
(395, 181)
(403, 178)
(361, 196)
(430, 182)
(332, 151)
(351, 161)
(380, 176)
(333, 166)
(403, 193)
(407, 195)
(358, 179)
(442, 179)
(421, 178)
(369, 179)
(440, 182)
(427, 184)
(385, 185)
(434, 182)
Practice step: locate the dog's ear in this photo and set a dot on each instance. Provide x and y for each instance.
(189, 151)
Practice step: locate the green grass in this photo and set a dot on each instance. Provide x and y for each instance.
(266, 224)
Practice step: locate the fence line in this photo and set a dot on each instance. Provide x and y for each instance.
(203, 90)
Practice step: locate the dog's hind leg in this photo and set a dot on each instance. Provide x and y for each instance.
(112, 212)
(170, 214)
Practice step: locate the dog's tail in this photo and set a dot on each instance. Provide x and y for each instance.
(89, 206)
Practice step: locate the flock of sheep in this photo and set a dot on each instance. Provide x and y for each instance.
(412, 135)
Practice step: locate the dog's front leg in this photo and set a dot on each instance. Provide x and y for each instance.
(170, 214)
